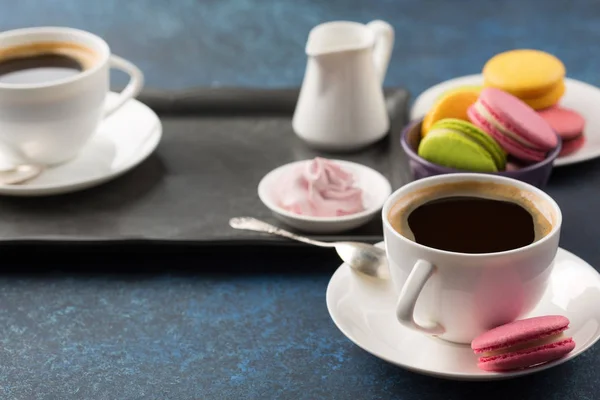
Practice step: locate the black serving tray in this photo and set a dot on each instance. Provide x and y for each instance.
(217, 144)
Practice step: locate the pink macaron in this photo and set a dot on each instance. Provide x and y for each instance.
(518, 128)
(569, 125)
(566, 122)
(524, 343)
(572, 146)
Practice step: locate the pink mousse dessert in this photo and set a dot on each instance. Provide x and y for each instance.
(319, 188)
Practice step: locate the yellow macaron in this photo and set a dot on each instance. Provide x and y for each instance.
(464, 88)
(534, 76)
(452, 104)
(548, 99)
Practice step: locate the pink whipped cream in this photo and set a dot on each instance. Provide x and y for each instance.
(319, 188)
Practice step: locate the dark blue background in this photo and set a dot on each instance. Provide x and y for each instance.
(227, 334)
(186, 43)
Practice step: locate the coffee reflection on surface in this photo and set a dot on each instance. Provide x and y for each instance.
(43, 62)
(472, 225)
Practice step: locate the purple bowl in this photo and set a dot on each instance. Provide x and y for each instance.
(534, 174)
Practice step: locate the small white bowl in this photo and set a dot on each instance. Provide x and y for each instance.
(376, 189)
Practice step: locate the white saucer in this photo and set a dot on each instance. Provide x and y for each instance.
(363, 309)
(580, 96)
(123, 141)
(376, 189)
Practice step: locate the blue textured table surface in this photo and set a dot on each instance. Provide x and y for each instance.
(267, 334)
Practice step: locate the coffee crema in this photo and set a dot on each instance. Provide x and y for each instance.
(472, 217)
(43, 62)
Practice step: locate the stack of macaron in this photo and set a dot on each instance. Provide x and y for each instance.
(509, 123)
(537, 78)
(451, 140)
(497, 132)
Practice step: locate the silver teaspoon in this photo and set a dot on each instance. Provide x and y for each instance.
(362, 257)
(19, 174)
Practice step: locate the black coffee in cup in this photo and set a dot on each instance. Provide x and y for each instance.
(42, 62)
(470, 217)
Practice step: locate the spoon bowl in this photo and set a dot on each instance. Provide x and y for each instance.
(364, 258)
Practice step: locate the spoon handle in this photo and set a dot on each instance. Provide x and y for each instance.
(253, 224)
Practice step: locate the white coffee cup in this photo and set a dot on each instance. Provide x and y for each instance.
(49, 122)
(458, 296)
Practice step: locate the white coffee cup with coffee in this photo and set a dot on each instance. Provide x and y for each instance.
(53, 87)
(469, 252)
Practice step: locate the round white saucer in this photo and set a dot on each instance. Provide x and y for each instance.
(123, 141)
(580, 96)
(363, 309)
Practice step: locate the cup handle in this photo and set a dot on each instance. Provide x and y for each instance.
(132, 89)
(384, 44)
(409, 294)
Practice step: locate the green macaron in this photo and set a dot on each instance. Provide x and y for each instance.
(458, 144)
(485, 140)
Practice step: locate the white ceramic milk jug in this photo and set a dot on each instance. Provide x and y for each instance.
(341, 104)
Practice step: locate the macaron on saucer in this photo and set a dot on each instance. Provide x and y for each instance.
(523, 343)
(579, 96)
(364, 311)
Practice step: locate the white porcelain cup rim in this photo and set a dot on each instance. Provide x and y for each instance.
(556, 223)
(102, 48)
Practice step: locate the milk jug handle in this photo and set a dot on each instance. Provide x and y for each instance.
(384, 44)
